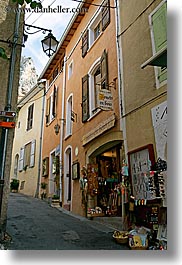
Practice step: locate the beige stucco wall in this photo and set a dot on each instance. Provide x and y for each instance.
(22, 137)
(139, 85)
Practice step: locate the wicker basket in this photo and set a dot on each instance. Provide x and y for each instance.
(121, 240)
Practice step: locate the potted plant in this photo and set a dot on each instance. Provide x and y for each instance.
(55, 201)
(14, 185)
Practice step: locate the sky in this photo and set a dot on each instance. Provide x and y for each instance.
(57, 22)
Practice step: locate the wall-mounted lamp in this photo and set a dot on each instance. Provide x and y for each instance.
(56, 128)
(49, 43)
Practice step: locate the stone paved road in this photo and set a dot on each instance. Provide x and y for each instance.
(34, 225)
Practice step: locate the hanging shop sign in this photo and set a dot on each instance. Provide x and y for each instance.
(105, 99)
(99, 129)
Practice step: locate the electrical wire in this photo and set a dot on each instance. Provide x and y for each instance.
(43, 13)
(32, 12)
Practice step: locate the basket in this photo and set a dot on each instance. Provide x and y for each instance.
(121, 240)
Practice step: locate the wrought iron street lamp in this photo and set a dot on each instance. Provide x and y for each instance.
(49, 43)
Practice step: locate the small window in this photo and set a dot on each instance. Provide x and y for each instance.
(70, 70)
(105, 14)
(69, 116)
(97, 85)
(30, 117)
(97, 31)
(51, 105)
(27, 155)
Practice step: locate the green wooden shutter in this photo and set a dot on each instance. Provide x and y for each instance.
(159, 24)
(85, 98)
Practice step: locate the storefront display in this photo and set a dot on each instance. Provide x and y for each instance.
(108, 188)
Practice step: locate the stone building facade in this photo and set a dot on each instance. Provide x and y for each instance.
(7, 27)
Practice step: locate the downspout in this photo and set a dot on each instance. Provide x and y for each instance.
(121, 88)
(121, 77)
(41, 140)
(62, 131)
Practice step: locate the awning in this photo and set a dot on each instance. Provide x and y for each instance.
(159, 59)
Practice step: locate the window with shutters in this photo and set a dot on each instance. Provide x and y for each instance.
(158, 23)
(30, 117)
(92, 83)
(100, 22)
(51, 106)
(27, 156)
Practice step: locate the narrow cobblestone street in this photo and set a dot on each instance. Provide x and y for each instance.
(35, 225)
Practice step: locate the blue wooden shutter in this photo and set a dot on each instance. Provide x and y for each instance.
(32, 154)
(21, 159)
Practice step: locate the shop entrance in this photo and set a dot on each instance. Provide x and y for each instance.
(110, 194)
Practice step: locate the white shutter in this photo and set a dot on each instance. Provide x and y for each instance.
(22, 150)
(32, 154)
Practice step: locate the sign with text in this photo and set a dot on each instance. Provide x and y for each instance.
(105, 99)
(7, 124)
(8, 114)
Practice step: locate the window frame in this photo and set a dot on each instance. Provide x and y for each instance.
(30, 116)
(69, 108)
(51, 105)
(70, 70)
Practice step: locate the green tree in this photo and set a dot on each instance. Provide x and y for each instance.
(33, 4)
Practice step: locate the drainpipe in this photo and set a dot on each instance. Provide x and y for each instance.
(41, 137)
(121, 87)
(120, 76)
(62, 130)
